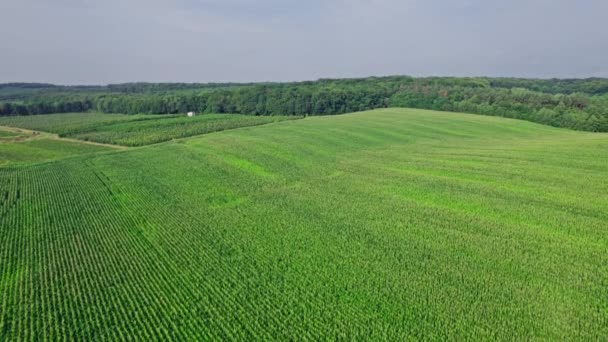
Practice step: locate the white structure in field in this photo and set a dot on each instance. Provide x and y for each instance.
(191, 114)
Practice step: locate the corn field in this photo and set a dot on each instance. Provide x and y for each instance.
(383, 225)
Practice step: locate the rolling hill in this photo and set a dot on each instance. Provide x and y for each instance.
(381, 225)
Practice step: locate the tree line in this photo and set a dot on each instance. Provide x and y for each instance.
(576, 104)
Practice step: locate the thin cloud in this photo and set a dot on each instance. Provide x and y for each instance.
(79, 41)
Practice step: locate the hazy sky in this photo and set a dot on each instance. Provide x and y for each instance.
(111, 41)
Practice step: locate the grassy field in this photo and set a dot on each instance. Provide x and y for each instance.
(381, 225)
(134, 130)
(43, 150)
(8, 135)
(19, 147)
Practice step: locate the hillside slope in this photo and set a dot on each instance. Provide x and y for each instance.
(387, 224)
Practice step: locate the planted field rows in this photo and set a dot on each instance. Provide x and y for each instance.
(134, 130)
(70, 123)
(40, 150)
(382, 225)
(155, 131)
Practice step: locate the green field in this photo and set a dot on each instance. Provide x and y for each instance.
(135, 130)
(8, 135)
(154, 131)
(384, 225)
(43, 150)
(71, 123)
(19, 148)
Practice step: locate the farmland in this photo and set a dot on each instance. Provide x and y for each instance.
(20, 147)
(134, 130)
(43, 150)
(70, 123)
(8, 135)
(164, 129)
(383, 225)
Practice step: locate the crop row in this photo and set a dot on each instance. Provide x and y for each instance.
(134, 130)
(155, 131)
(76, 255)
(373, 226)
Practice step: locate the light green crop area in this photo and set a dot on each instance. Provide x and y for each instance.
(135, 130)
(382, 225)
(41, 149)
(139, 133)
(4, 135)
(71, 123)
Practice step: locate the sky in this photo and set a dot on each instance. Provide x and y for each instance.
(114, 41)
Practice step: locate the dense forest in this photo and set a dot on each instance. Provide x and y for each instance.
(580, 104)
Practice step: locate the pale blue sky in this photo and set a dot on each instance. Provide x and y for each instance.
(111, 41)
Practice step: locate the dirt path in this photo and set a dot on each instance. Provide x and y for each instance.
(16, 130)
(118, 147)
(32, 135)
